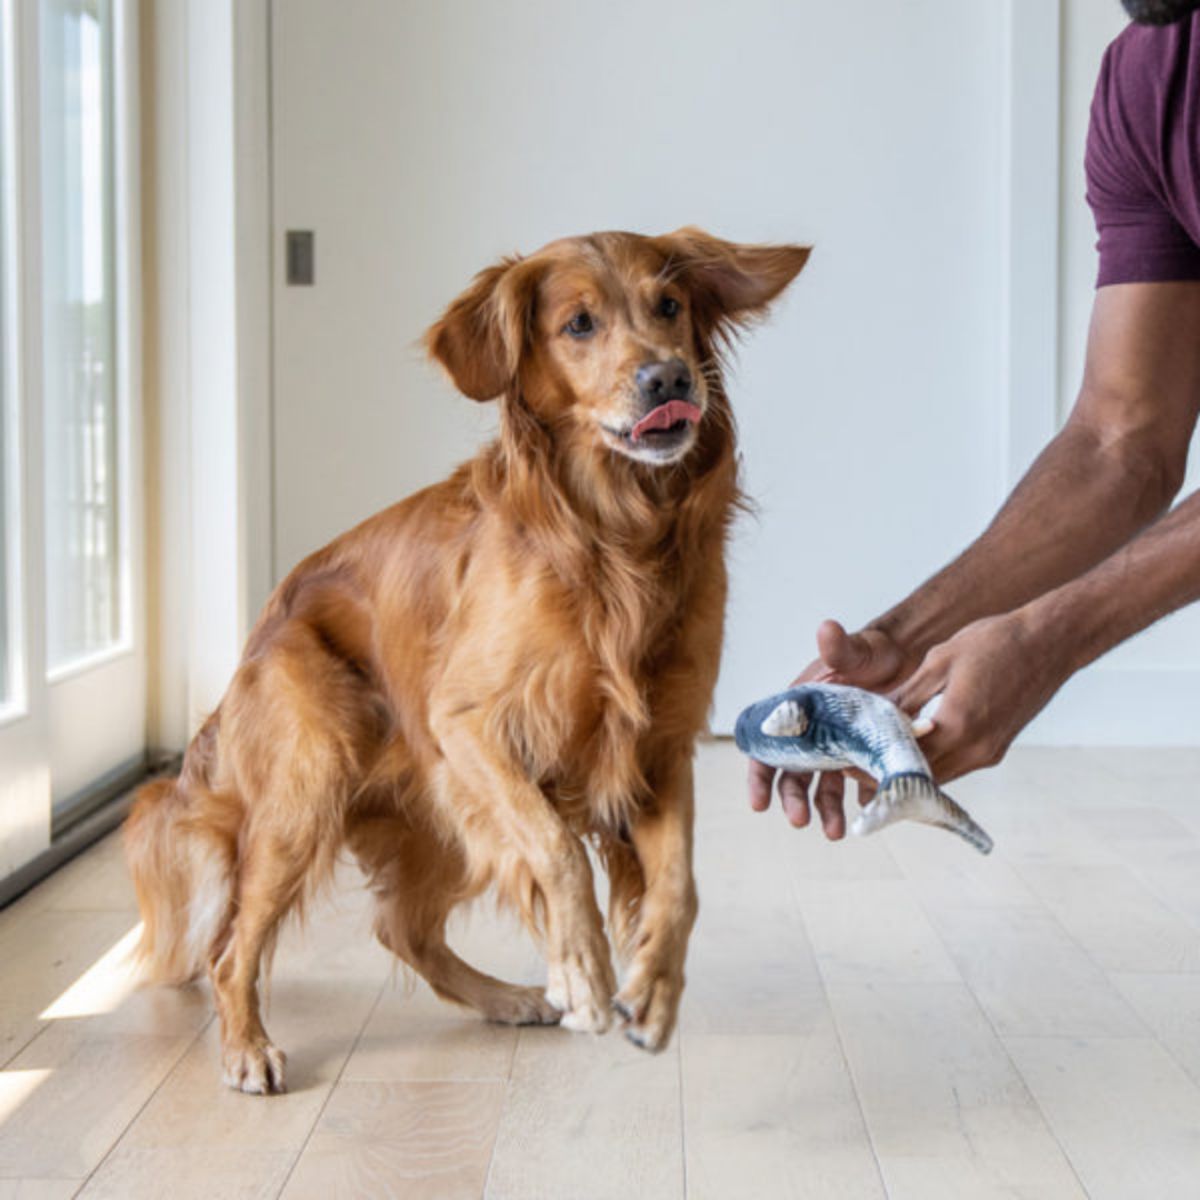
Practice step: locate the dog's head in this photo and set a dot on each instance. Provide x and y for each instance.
(611, 338)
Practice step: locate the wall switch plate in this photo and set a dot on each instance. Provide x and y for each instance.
(301, 258)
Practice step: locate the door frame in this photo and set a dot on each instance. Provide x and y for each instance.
(207, 188)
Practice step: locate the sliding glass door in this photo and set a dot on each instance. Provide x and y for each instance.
(72, 654)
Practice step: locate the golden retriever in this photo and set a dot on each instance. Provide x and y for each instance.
(467, 686)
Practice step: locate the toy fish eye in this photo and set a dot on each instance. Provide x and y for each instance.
(787, 720)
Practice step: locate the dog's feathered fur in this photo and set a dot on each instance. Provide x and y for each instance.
(469, 683)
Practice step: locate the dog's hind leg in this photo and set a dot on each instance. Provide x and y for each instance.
(271, 877)
(294, 758)
(417, 880)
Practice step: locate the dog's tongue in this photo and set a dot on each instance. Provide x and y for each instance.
(666, 415)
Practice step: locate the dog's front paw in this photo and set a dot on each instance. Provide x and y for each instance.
(580, 986)
(649, 1003)
(257, 1069)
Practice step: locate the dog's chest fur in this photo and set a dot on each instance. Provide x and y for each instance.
(585, 717)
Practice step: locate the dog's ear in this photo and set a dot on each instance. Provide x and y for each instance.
(480, 337)
(732, 282)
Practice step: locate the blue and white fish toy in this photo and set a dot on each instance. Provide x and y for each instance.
(828, 727)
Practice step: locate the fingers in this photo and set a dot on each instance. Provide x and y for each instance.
(828, 801)
(948, 758)
(926, 682)
(758, 782)
(793, 794)
(867, 787)
(959, 745)
(828, 797)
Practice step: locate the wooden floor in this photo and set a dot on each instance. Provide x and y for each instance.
(890, 1017)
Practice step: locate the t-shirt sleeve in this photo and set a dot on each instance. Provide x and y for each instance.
(1140, 240)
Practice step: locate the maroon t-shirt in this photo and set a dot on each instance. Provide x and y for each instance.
(1143, 155)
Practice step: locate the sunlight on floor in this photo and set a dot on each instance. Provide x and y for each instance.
(103, 986)
(16, 1087)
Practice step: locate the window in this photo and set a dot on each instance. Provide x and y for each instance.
(72, 703)
(84, 602)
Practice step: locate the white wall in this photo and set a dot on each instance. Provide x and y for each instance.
(884, 411)
(421, 141)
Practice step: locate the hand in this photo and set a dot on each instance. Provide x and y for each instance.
(994, 676)
(870, 659)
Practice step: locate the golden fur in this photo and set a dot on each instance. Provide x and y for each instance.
(467, 685)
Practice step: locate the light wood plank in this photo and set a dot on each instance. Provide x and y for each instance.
(810, 855)
(1172, 873)
(43, 954)
(1117, 920)
(1170, 1007)
(775, 1117)
(1135, 829)
(937, 1086)
(37, 1189)
(92, 1087)
(1125, 1111)
(315, 1022)
(943, 872)
(412, 1035)
(408, 1141)
(572, 1094)
(102, 882)
(1030, 978)
(196, 1173)
(872, 931)
(750, 970)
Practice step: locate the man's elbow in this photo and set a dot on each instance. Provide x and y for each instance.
(1155, 472)
(1146, 468)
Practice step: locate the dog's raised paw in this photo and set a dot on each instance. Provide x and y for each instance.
(649, 1003)
(622, 1009)
(256, 1070)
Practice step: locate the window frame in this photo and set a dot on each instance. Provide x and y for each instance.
(14, 689)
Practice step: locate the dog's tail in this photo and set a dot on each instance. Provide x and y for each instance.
(182, 854)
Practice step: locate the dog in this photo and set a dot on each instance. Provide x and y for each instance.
(470, 686)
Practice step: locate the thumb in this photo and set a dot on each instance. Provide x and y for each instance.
(842, 652)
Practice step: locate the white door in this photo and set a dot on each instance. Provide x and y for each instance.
(72, 650)
(420, 141)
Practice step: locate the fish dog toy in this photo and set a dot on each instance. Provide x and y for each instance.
(828, 727)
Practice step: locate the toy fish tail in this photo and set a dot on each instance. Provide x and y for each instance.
(913, 797)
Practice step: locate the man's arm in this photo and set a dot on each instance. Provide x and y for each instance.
(997, 674)
(1114, 468)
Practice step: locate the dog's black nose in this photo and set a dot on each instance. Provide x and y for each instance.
(662, 381)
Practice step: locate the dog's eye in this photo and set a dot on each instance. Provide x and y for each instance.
(668, 307)
(581, 325)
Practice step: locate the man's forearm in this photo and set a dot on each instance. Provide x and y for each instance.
(1081, 500)
(1154, 575)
